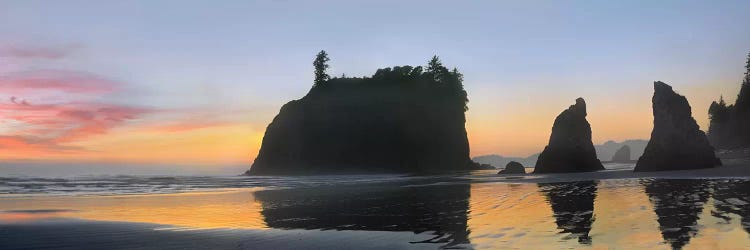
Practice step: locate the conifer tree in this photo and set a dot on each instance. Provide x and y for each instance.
(321, 65)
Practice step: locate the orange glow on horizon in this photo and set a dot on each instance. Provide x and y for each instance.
(519, 131)
(222, 144)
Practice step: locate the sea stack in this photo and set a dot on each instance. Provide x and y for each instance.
(570, 148)
(400, 120)
(622, 154)
(513, 167)
(676, 141)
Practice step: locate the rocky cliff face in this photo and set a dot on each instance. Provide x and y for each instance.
(676, 141)
(622, 154)
(398, 120)
(570, 148)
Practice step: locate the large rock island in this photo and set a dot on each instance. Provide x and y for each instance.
(401, 119)
(676, 142)
(570, 148)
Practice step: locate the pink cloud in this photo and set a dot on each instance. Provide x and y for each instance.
(50, 110)
(71, 82)
(30, 144)
(69, 122)
(62, 112)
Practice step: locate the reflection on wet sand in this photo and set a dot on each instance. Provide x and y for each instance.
(439, 209)
(233, 209)
(733, 197)
(678, 205)
(417, 213)
(573, 207)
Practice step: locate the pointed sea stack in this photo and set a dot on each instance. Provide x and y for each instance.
(570, 148)
(676, 142)
(622, 154)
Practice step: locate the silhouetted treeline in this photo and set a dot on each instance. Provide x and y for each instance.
(401, 119)
(730, 124)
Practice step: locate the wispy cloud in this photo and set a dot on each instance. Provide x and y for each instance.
(69, 82)
(30, 144)
(68, 121)
(33, 52)
(64, 110)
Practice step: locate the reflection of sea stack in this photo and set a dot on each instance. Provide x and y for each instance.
(622, 154)
(676, 142)
(677, 204)
(570, 148)
(439, 209)
(573, 207)
(513, 167)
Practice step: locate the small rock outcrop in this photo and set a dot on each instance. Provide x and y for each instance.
(483, 166)
(676, 142)
(622, 154)
(570, 148)
(513, 167)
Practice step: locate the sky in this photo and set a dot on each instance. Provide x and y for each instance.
(195, 83)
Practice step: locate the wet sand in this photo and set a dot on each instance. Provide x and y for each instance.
(84, 234)
(698, 209)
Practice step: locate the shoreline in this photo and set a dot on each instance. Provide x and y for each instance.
(95, 234)
(735, 170)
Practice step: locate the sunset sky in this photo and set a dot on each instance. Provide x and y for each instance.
(197, 82)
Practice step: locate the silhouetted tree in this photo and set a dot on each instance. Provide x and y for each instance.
(719, 111)
(458, 75)
(321, 65)
(744, 96)
(416, 72)
(434, 65)
(730, 124)
(436, 69)
(721, 132)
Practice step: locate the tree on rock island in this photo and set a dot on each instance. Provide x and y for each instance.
(321, 65)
